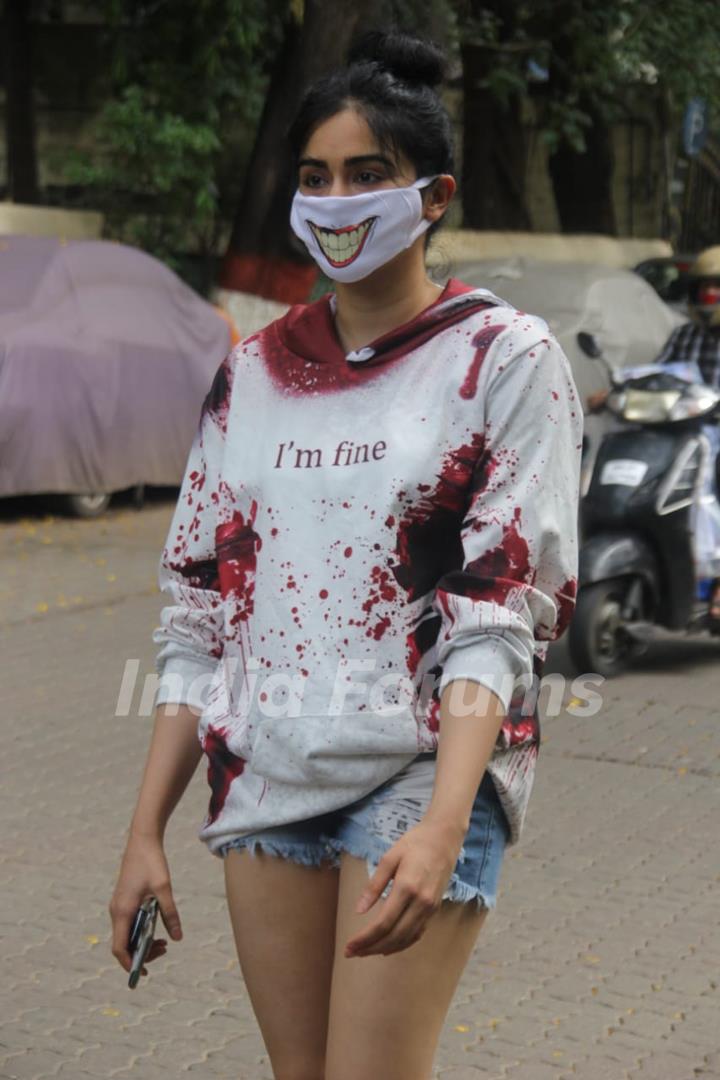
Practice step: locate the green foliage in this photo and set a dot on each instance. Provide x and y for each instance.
(149, 159)
(167, 150)
(593, 54)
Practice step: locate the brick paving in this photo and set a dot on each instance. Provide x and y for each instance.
(601, 962)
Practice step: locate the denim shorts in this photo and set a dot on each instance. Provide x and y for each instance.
(368, 827)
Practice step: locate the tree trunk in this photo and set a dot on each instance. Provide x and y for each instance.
(254, 229)
(19, 104)
(494, 152)
(583, 182)
(260, 256)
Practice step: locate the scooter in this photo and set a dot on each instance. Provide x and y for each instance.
(638, 566)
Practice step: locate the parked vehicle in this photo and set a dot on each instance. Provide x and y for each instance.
(105, 359)
(669, 277)
(638, 561)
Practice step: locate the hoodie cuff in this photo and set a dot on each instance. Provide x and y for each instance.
(184, 681)
(492, 662)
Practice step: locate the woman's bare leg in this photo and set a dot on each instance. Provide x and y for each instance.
(283, 919)
(387, 1012)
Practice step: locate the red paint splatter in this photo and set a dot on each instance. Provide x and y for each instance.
(199, 574)
(421, 638)
(565, 599)
(429, 544)
(223, 768)
(381, 588)
(481, 342)
(522, 731)
(519, 728)
(428, 537)
(433, 714)
(347, 552)
(511, 558)
(237, 544)
(379, 629)
(414, 652)
(493, 574)
(217, 401)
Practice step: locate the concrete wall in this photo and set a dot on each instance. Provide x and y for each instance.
(639, 179)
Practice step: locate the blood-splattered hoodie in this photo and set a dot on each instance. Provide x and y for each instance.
(353, 533)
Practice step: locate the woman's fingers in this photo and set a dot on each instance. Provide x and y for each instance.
(384, 922)
(121, 923)
(158, 948)
(406, 929)
(420, 866)
(168, 910)
(121, 931)
(375, 887)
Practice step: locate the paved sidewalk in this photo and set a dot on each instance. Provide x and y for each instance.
(601, 962)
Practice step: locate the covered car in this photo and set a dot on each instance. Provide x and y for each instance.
(106, 357)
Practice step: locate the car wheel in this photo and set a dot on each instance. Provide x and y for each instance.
(87, 506)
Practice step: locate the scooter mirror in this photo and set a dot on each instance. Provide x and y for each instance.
(589, 344)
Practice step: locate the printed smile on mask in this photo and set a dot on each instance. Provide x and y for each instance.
(341, 246)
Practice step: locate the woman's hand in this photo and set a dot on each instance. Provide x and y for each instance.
(421, 864)
(143, 872)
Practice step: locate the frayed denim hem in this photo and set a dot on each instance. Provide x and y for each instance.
(460, 892)
(304, 854)
(361, 846)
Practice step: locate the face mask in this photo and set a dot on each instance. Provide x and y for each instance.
(349, 236)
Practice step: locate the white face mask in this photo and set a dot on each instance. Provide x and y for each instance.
(349, 236)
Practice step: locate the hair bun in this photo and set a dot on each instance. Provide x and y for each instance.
(412, 59)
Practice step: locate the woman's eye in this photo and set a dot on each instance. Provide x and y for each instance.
(312, 180)
(367, 177)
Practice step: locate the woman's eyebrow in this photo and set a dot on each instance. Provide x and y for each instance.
(359, 159)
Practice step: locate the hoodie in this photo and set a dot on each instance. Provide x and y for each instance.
(353, 533)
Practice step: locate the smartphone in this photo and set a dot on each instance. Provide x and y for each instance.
(141, 937)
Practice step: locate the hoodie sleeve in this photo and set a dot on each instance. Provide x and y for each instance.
(190, 634)
(519, 576)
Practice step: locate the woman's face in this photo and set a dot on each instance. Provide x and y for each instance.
(342, 157)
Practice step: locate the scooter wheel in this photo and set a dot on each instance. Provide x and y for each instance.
(596, 638)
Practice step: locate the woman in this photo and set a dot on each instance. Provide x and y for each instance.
(375, 539)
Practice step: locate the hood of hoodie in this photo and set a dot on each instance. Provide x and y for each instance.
(308, 330)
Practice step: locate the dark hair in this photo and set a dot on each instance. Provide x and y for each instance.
(390, 78)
